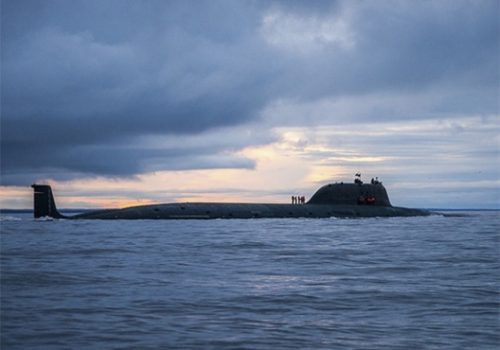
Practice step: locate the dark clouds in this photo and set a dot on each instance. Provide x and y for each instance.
(83, 82)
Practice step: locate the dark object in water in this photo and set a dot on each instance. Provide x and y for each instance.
(333, 200)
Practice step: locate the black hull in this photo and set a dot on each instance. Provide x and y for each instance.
(333, 200)
(247, 211)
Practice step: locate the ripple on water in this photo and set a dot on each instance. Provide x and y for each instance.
(426, 283)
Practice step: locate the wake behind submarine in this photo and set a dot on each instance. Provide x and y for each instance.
(346, 200)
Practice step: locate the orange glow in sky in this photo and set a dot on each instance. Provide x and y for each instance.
(297, 163)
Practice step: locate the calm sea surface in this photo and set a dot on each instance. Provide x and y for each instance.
(393, 283)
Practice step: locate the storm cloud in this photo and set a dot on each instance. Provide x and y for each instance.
(86, 85)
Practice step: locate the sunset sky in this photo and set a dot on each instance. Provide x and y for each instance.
(118, 103)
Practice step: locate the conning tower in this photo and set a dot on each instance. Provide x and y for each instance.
(351, 194)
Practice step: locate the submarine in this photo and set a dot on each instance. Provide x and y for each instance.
(343, 200)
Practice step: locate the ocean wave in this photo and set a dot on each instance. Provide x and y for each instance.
(10, 218)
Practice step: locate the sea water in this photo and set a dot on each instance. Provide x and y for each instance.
(380, 283)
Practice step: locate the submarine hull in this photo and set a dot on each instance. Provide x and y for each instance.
(248, 211)
(332, 200)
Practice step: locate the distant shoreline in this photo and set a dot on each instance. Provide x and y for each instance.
(28, 211)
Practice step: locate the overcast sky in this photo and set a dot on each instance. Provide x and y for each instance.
(127, 102)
